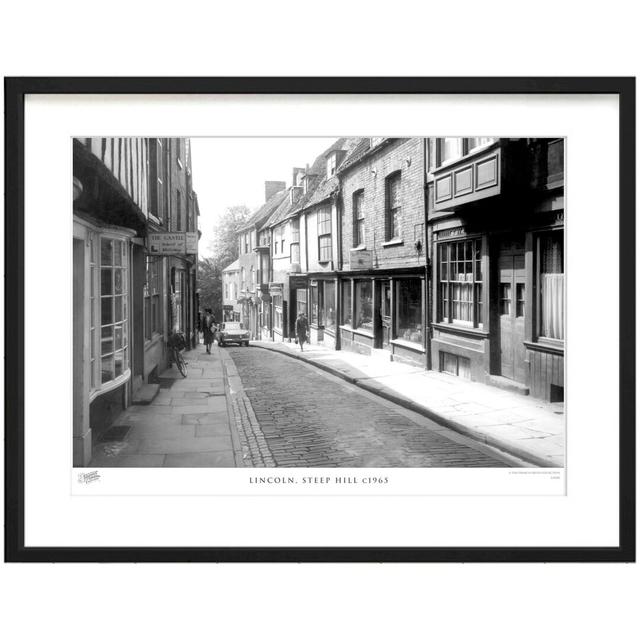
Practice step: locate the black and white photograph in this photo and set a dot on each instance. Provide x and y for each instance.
(318, 302)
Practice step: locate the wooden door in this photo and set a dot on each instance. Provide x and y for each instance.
(511, 309)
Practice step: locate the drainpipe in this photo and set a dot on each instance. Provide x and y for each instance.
(427, 247)
(338, 280)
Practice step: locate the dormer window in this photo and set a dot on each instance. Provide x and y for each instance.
(332, 165)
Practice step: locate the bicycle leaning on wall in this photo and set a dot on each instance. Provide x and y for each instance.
(176, 343)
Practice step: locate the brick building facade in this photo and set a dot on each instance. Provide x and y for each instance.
(444, 253)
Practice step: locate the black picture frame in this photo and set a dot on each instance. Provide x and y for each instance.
(15, 91)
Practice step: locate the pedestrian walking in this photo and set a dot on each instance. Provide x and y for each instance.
(302, 328)
(208, 328)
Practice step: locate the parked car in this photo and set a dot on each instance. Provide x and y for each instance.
(232, 332)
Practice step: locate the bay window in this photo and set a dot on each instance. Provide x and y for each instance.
(114, 311)
(460, 282)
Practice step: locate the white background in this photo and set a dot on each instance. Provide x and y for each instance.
(321, 601)
(586, 516)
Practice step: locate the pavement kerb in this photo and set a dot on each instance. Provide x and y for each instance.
(498, 443)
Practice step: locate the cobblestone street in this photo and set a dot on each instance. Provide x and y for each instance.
(292, 415)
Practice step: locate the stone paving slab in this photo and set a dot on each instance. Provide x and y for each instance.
(186, 424)
(520, 425)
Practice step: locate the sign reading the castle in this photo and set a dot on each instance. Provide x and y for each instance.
(167, 244)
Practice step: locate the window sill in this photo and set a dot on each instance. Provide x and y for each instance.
(457, 328)
(548, 345)
(156, 337)
(394, 242)
(110, 386)
(360, 332)
(415, 346)
(360, 247)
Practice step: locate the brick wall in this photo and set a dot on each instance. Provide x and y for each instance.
(370, 174)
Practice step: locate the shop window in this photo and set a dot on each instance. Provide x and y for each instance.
(277, 312)
(393, 206)
(358, 218)
(409, 304)
(329, 305)
(316, 311)
(324, 235)
(364, 305)
(551, 261)
(455, 365)
(346, 303)
(152, 290)
(301, 302)
(460, 282)
(113, 309)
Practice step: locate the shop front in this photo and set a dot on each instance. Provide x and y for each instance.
(383, 314)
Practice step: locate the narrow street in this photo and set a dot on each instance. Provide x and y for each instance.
(252, 407)
(299, 416)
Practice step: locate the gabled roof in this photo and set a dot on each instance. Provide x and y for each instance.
(258, 217)
(323, 187)
(234, 266)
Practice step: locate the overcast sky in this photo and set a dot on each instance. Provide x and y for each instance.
(232, 171)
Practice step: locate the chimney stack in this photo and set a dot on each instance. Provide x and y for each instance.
(271, 187)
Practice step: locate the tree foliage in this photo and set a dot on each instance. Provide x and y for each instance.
(224, 248)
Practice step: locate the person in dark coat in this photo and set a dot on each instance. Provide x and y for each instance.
(302, 329)
(208, 328)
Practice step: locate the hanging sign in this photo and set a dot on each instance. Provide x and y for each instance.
(163, 244)
(167, 243)
(192, 242)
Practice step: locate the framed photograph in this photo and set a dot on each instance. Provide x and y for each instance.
(320, 319)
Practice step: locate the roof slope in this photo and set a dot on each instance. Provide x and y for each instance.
(234, 266)
(258, 217)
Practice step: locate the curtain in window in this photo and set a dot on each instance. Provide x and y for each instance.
(553, 305)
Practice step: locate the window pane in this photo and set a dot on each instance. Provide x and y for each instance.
(478, 142)
(552, 285)
(346, 303)
(117, 280)
(117, 252)
(314, 305)
(117, 333)
(106, 344)
(106, 252)
(107, 368)
(505, 299)
(519, 299)
(119, 363)
(410, 310)
(107, 282)
(451, 148)
(118, 309)
(329, 305)
(364, 305)
(106, 308)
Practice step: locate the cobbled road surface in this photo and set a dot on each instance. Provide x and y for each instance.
(308, 418)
